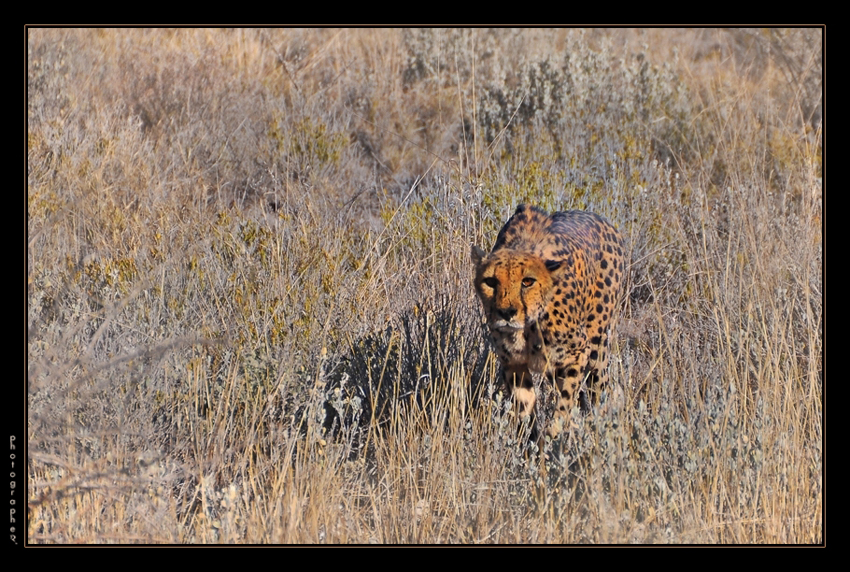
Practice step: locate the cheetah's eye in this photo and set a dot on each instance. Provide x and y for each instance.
(528, 281)
(491, 282)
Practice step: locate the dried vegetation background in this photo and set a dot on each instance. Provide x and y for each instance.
(250, 316)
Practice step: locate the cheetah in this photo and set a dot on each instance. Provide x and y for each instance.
(549, 288)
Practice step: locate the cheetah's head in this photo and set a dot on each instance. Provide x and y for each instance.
(514, 287)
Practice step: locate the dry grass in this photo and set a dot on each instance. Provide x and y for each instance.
(249, 304)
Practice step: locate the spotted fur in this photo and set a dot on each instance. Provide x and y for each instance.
(550, 288)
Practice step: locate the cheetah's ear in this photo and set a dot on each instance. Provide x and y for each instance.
(477, 255)
(552, 265)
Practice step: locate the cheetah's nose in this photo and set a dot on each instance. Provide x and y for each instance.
(507, 313)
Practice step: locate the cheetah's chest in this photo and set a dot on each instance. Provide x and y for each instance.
(532, 346)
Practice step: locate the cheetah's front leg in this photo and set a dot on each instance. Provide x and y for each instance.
(519, 382)
(597, 369)
(568, 380)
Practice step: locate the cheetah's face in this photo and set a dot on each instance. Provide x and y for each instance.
(514, 287)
